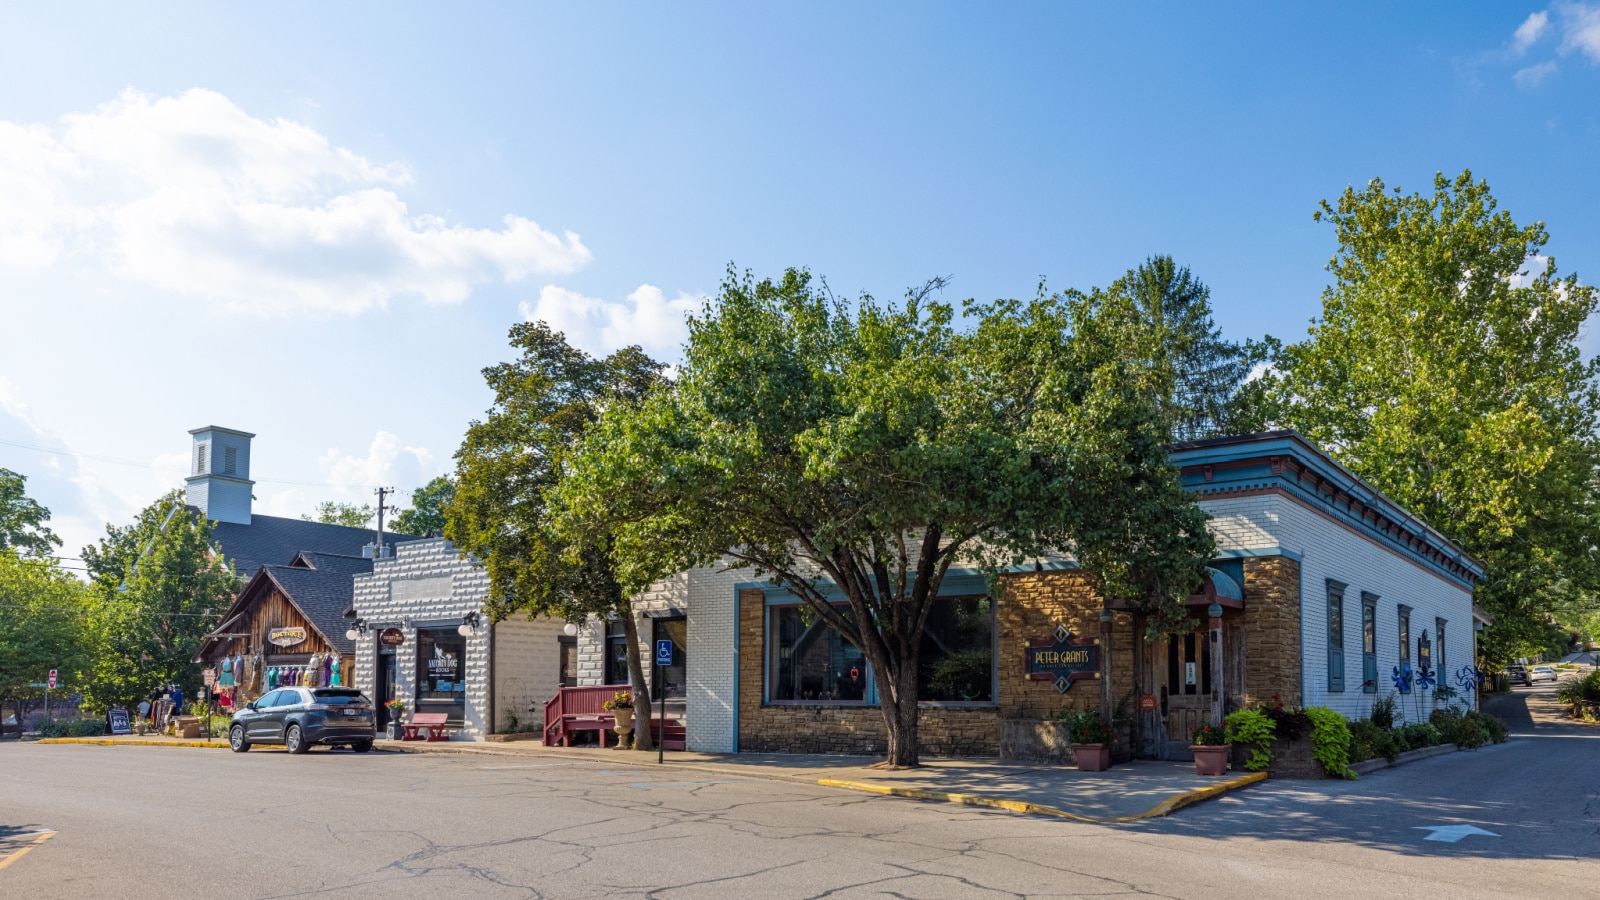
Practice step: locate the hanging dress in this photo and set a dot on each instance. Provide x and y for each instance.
(328, 669)
(333, 676)
(226, 678)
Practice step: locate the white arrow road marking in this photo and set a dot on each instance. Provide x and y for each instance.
(1452, 833)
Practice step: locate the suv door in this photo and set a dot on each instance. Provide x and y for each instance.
(255, 724)
(289, 700)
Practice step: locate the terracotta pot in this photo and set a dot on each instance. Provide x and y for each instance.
(1210, 759)
(1092, 757)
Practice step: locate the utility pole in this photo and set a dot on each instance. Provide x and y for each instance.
(382, 493)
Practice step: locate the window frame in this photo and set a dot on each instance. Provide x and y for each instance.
(1439, 663)
(1369, 642)
(1335, 623)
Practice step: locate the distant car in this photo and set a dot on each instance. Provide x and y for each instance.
(1542, 673)
(1517, 674)
(298, 717)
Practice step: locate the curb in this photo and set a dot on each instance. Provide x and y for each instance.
(1164, 808)
(136, 742)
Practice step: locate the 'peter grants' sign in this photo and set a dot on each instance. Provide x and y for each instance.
(1063, 659)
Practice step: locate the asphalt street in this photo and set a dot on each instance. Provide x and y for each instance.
(169, 822)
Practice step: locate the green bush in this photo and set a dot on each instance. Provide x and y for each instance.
(1492, 727)
(72, 728)
(1252, 727)
(1330, 741)
(1580, 693)
(1383, 712)
(1368, 741)
(1418, 735)
(1086, 727)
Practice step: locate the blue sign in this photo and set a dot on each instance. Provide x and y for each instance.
(663, 653)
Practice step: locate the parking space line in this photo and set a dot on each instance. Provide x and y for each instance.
(43, 836)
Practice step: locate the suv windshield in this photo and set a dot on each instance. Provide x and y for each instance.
(337, 697)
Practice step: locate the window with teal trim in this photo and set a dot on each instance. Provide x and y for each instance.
(1369, 642)
(1336, 634)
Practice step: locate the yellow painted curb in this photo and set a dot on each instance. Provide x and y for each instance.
(1165, 807)
(132, 742)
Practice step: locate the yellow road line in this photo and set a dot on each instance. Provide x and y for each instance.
(18, 855)
(136, 742)
(1165, 807)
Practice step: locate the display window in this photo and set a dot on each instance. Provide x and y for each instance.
(441, 672)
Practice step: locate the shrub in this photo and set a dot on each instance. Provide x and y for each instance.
(1580, 693)
(1330, 741)
(1492, 727)
(1254, 728)
(1288, 723)
(1086, 727)
(1383, 712)
(1207, 736)
(1418, 735)
(1368, 741)
(72, 728)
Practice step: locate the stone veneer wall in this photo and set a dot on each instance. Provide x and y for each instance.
(941, 731)
(1272, 631)
(1033, 605)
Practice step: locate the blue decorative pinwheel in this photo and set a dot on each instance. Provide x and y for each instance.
(1402, 678)
(1424, 678)
(1469, 677)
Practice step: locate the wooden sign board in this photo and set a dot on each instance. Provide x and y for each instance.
(1063, 659)
(286, 637)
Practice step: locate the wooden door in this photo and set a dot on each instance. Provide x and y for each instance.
(1183, 677)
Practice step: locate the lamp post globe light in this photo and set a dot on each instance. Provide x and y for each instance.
(570, 629)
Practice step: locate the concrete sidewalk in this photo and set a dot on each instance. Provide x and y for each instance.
(1135, 790)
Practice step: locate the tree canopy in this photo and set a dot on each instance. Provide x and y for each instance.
(1445, 369)
(350, 515)
(511, 463)
(427, 511)
(42, 611)
(868, 450)
(22, 518)
(159, 586)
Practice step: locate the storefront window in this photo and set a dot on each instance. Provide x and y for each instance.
(441, 672)
(1369, 642)
(616, 654)
(810, 662)
(958, 652)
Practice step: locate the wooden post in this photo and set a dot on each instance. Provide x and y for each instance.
(1217, 668)
(1105, 665)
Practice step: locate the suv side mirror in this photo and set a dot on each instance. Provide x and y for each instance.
(251, 706)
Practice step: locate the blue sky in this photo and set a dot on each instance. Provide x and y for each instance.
(293, 220)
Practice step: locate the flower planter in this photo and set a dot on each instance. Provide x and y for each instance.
(1092, 757)
(1210, 759)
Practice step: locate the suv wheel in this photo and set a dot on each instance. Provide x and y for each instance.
(237, 742)
(294, 740)
(361, 746)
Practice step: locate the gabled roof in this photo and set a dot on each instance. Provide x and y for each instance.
(271, 539)
(318, 585)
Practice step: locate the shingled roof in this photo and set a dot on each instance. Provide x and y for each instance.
(268, 540)
(319, 585)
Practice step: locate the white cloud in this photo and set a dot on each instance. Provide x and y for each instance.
(646, 318)
(1529, 32)
(1533, 75)
(192, 195)
(388, 463)
(1580, 29)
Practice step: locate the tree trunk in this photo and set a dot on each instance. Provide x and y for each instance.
(642, 739)
(897, 698)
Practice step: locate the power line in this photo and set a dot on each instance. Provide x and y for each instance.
(59, 451)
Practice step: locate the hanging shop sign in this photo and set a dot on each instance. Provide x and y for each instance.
(1063, 659)
(392, 637)
(286, 637)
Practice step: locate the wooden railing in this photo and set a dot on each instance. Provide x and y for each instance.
(584, 701)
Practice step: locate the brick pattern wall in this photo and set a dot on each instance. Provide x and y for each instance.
(390, 597)
(941, 731)
(527, 667)
(1272, 630)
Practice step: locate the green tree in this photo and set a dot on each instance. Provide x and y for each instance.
(1445, 369)
(510, 463)
(873, 449)
(350, 515)
(1205, 392)
(159, 586)
(428, 505)
(42, 609)
(22, 518)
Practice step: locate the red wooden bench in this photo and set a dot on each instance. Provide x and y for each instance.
(580, 709)
(426, 727)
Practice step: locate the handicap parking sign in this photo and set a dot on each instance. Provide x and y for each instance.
(663, 653)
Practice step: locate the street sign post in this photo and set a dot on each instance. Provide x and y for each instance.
(663, 659)
(49, 685)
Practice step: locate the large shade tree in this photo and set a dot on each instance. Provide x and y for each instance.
(855, 455)
(511, 463)
(1445, 369)
(42, 612)
(160, 585)
(22, 518)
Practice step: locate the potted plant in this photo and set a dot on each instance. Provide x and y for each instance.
(1210, 748)
(397, 712)
(621, 708)
(1091, 740)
